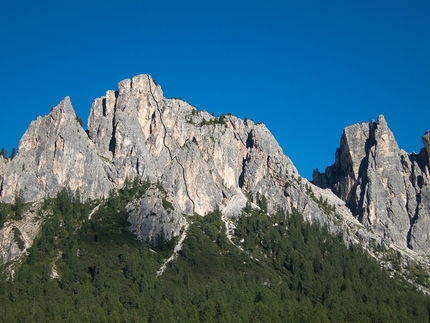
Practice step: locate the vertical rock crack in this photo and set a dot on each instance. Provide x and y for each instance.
(172, 158)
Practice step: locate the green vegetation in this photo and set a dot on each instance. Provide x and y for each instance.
(13, 211)
(17, 238)
(3, 153)
(19, 206)
(213, 121)
(418, 275)
(288, 271)
(324, 205)
(6, 210)
(78, 119)
(167, 205)
(12, 154)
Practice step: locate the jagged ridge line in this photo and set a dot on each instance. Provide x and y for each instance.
(168, 148)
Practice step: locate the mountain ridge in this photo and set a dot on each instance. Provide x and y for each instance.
(196, 163)
(385, 188)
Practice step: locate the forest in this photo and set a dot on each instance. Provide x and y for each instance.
(277, 268)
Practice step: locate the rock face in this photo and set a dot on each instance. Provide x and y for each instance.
(426, 141)
(200, 162)
(385, 188)
(154, 218)
(16, 236)
(194, 163)
(54, 152)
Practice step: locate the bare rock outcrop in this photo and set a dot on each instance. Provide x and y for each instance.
(16, 236)
(54, 152)
(155, 219)
(202, 162)
(385, 188)
(199, 162)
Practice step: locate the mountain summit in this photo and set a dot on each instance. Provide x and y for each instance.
(201, 162)
(386, 188)
(195, 163)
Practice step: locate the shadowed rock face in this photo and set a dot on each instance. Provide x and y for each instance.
(426, 141)
(385, 188)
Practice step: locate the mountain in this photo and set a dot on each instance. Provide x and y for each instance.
(201, 162)
(85, 266)
(54, 152)
(193, 163)
(385, 188)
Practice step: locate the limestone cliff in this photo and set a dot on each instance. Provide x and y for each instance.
(16, 236)
(385, 188)
(54, 152)
(375, 193)
(200, 162)
(197, 162)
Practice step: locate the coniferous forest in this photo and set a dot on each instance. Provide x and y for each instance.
(277, 268)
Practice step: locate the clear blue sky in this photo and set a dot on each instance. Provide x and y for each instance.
(306, 69)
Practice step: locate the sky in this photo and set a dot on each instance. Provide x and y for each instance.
(306, 69)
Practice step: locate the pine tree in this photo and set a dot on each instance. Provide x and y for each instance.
(12, 154)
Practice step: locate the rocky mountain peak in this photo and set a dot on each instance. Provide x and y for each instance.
(54, 152)
(196, 162)
(385, 188)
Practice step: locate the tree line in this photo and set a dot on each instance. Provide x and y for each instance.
(286, 270)
(3, 153)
